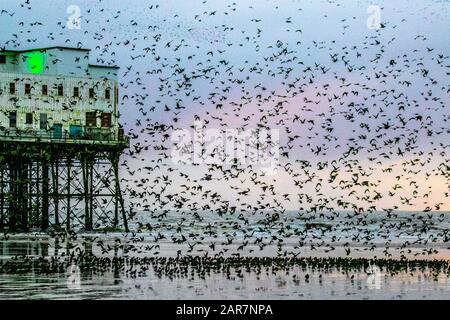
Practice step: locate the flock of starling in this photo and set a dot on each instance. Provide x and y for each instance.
(363, 125)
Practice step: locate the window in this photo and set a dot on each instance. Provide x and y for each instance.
(106, 120)
(57, 131)
(107, 94)
(27, 88)
(29, 118)
(12, 88)
(76, 92)
(60, 90)
(13, 119)
(91, 93)
(43, 121)
(91, 119)
(44, 90)
(2, 59)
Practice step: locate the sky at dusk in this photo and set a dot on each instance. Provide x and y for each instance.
(306, 68)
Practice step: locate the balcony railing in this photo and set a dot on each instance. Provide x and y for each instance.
(83, 135)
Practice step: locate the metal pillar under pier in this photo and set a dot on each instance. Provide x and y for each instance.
(60, 188)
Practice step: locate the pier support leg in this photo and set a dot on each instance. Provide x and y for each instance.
(85, 163)
(55, 180)
(12, 210)
(35, 193)
(118, 193)
(45, 197)
(91, 193)
(69, 181)
(2, 198)
(24, 196)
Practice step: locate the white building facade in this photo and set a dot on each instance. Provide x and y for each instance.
(54, 93)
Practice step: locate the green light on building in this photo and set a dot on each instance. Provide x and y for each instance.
(36, 62)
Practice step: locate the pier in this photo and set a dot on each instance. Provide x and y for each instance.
(60, 143)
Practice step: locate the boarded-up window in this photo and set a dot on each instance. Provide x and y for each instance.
(12, 88)
(91, 93)
(27, 88)
(91, 119)
(60, 90)
(107, 94)
(29, 118)
(13, 119)
(44, 90)
(2, 59)
(76, 92)
(106, 120)
(43, 121)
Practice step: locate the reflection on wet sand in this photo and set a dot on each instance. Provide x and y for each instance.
(116, 267)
